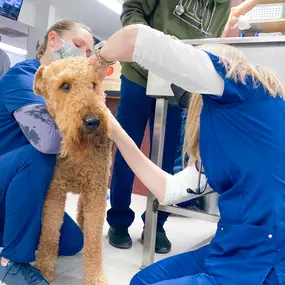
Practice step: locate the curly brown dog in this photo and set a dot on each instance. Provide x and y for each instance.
(75, 100)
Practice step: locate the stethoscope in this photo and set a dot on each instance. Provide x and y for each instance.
(180, 8)
(199, 191)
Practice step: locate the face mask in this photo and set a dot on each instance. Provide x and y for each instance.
(66, 50)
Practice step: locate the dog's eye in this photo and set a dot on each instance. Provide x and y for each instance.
(94, 85)
(65, 87)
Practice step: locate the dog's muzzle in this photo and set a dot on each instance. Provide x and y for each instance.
(91, 123)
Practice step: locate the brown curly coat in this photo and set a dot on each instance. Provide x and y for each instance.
(72, 91)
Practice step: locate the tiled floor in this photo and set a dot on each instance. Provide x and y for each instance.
(121, 265)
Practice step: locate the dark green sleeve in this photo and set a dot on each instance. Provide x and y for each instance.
(137, 11)
(222, 17)
(222, 28)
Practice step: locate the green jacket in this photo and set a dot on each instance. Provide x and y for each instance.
(160, 15)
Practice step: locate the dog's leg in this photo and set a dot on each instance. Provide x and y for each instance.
(94, 216)
(52, 221)
(80, 215)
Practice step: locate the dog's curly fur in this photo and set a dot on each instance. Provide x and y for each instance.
(72, 91)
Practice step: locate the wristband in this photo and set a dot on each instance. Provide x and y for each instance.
(99, 58)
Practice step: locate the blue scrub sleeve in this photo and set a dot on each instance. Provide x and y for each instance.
(18, 89)
(234, 92)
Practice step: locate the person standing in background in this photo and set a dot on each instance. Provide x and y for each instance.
(5, 62)
(184, 19)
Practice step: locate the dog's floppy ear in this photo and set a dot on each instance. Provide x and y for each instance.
(39, 87)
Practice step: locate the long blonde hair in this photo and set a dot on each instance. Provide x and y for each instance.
(238, 69)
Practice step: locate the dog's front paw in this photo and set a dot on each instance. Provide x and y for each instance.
(102, 281)
(49, 276)
(97, 281)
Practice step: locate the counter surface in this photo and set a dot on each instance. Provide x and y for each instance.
(238, 40)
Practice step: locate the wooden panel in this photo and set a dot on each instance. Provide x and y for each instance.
(236, 2)
(271, 26)
(272, 1)
(112, 81)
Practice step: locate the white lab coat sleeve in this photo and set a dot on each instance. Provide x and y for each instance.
(184, 65)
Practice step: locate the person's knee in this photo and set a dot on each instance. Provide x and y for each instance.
(138, 279)
(78, 243)
(41, 161)
(76, 246)
(71, 237)
(37, 169)
(73, 246)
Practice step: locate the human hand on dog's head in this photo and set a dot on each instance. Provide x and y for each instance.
(99, 68)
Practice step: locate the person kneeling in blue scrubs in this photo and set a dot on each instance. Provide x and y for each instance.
(29, 142)
(235, 126)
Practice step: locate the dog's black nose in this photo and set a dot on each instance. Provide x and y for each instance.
(91, 123)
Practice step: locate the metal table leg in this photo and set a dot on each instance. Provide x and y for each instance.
(156, 157)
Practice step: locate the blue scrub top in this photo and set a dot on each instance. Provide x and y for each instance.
(242, 146)
(16, 91)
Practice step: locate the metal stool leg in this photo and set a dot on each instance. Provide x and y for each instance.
(156, 157)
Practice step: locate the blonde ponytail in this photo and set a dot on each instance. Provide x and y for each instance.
(40, 51)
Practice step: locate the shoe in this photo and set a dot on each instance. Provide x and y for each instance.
(162, 243)
(119, 237)
(21, 274)
(195, 209)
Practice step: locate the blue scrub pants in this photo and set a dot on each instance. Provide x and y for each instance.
(135, 110)
(25, 176)
(183, 269)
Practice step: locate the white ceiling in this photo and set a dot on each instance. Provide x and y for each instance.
(102, 20)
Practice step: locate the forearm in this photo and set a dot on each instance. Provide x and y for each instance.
(246, 6)
(168, 189)
(149, 174)
(121, 46)
(181, 64)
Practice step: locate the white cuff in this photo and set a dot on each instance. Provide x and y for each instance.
(176, 62)
(178, 184)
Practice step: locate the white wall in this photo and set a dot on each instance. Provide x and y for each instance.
(59, 18)
(15, 58)
(17, 42)
(37, 15)
(28, 13)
